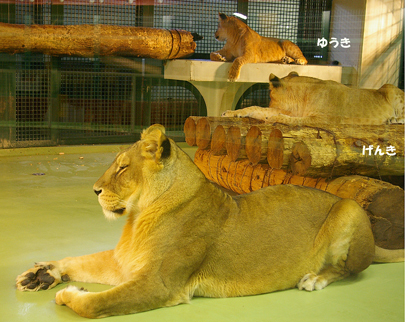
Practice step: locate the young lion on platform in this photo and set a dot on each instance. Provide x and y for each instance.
(244, 45)
(306, 100)
(185, 237)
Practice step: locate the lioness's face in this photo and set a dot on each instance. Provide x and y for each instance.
(120, 183)
(132, 174)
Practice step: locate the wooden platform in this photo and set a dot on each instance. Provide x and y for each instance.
(211, 78)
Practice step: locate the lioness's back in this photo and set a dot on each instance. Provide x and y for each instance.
(279, 198)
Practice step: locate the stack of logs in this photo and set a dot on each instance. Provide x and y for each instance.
(244, 154)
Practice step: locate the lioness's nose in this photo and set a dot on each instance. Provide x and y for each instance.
(98, 192)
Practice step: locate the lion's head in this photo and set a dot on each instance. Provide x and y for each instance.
(138, 175)
(289, 90)
(228, 27)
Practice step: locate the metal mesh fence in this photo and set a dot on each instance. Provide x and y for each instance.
(278, 19)
(58, 100)
(314, 21)
(32, 98)
(195, 16)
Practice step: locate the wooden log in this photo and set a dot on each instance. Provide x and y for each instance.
(190, 130)
(300, 159)
(332, 151)
(96, 40)
(204, 131)
(218, 141)
(253, 145)
(275, 148)
(235, 144)
(205, 126)
(383, 202)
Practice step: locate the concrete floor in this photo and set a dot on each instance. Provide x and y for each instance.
(49, 211)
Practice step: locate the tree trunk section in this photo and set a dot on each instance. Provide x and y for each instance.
(275, 148)
(315, 151)
(96, 40)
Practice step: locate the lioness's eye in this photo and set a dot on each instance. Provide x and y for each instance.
(122, 167)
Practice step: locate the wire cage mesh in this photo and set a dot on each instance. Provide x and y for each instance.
(64, 100)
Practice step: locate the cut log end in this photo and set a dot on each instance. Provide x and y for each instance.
(300, 159)
(203, 133)
(218, 145)
(387, 217)
(233, 142)
(275, 148)
(253, 141)
(189, 131)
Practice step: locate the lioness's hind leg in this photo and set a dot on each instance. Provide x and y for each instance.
(311, 281)
(287, 60)
(345, 241)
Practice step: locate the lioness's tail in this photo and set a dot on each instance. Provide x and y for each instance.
(383, 255)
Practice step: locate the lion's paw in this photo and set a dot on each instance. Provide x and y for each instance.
(64, 296)
(312, 282)
(301, 61)
(217, 57)
(230, 114)
(233, 75)
(287, 60)
(41, 277)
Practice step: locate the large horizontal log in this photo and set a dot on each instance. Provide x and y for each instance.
(383, 202)
(92, 40)
(311, 150)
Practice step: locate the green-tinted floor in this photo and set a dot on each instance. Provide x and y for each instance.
(50, 216)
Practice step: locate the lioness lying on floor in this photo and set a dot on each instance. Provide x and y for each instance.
(184, 237)
(304, 100)
(244, 45)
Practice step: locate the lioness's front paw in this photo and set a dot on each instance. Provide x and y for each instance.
(64, 296)
(233, 75)
(230, 114)
(312, 282)
(217, 57)
(40, 277)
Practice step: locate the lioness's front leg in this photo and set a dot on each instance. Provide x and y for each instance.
(95, 268)
(141, 294)
(235, 69)
(256, 112)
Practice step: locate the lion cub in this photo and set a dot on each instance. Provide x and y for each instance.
(244, 45)
(306, 100)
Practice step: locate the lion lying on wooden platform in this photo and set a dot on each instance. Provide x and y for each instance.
(244, 45)
(185, 237)
(306, 100)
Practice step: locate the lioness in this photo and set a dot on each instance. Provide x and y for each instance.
(244, 45)
(184, 237)
(298, 99)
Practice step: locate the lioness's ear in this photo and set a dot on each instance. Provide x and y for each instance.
(222, 16)
(151, 129)
(292, 74)
(155, 143)
(274, 81)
